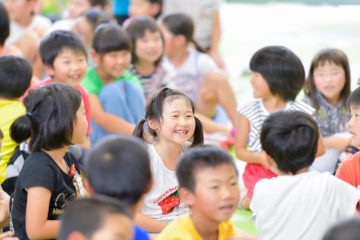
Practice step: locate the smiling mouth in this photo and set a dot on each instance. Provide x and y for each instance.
(182, 132)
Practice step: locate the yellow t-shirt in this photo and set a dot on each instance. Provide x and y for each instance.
(182, 228)
(10, 110)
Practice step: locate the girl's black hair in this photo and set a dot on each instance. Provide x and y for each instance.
(154, 111)
(182, 24)
(49, 121)
(330, 55)
(137, 28)
(109, 37)
(4, 24)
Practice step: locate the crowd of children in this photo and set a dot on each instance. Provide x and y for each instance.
(137, 92)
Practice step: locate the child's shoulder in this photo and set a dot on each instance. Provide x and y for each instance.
(250, 107)
(302, 106)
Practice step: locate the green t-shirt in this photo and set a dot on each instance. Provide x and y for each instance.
(93, 84)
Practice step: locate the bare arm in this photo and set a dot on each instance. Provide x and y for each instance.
(109, 121)
(209, 126)
(241, 141)
(337, 141)
(215, 40)
(37, 207)
(149, 224)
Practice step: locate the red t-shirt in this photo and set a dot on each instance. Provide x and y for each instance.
(84, 95)
(349, 170)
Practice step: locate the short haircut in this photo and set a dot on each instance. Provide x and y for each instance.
(49, 121)
(137, 29)
(119, 167)
(290, 138)
(15, 76)
(198, 158)
(88, 215)
(110, 37)
(56, 42)
(354, 98)
(4, 24)
(348, 229)
(95, 17)
(154, 111)
(330, 55)
(282, 70)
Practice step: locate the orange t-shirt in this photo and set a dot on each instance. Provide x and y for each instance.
(349, 170)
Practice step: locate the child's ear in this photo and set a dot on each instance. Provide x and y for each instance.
(187, 196)
(153, 124)
(94, 56)
(180, 40)
(271, 164)
(50, 70)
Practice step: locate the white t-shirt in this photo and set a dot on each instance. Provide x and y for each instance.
(165, 186)
(189, 76)
(301, 206)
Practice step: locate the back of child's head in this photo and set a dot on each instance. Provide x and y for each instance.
(4, 24)
(154, 111)
(282, 70)
(332, 56)
(119, 167)
(197, 159)
(137, 28)
(55, 42)
(348, 229)
(88, 216)
(49, 121)
(95, 17)
(15, 76)
(99, 3)
(110, 37)
(290, 138)
(354, 98)
(181, 24)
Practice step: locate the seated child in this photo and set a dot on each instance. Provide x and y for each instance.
(298, 203)
(119, 167)
(117, 100)
(208, 185)
(107, 219)
(15, 78)
(348, 229)
(349, 170)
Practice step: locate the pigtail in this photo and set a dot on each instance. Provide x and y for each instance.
(198, 137)
(20, 130)
(198, 47)
(139, 129)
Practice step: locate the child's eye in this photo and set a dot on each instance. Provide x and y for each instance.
(235, 183)
(214, 187)
(355, 115)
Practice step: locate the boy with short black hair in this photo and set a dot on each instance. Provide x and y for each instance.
(96, 218)
(119, 167)
(306, 202)
(349, 170)
(208, 185)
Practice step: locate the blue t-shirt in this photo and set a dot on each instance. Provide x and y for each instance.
(121, 7)
(140, 234)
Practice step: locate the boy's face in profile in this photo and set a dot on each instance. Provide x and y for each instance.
(69, 67)
(115, 227)
(113, 64)
(354, 125)
(216, 194)
(260, 86)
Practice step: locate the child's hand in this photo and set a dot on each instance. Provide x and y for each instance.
(7, 236)
(341, 141)
(4, 208)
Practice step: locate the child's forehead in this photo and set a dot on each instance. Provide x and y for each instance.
(208, 173)
(70, 52)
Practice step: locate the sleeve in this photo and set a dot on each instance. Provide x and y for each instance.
(88, 85)
(348, 197)
(345, 172)
(38, 174)
(247, 109)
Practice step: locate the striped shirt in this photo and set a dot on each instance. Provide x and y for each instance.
(256, 114)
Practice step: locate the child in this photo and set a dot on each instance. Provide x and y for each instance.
(117, 101)
(147, 53)
(196, 73)
(151, 8)
(65, 60)
(306, 202)
(107, 219)
(349, 170)
(327, 89)
(170, 125)
(208, 185)
(15, 78)
(277, 77)
(119, 167)
(49, 179)
(348, 229)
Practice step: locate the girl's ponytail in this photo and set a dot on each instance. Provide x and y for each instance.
(139, 129)
(20, 130)
(198, 137)
(197, 46)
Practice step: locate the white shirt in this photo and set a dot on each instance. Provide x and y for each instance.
(164, 185)
(302, 206)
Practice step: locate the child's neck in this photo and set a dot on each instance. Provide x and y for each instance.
(25, 21)
(169, 154)
(144, 67)
(273, 103)
(105, 78)
(58, 156)
(179, 57)
(206, 228)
